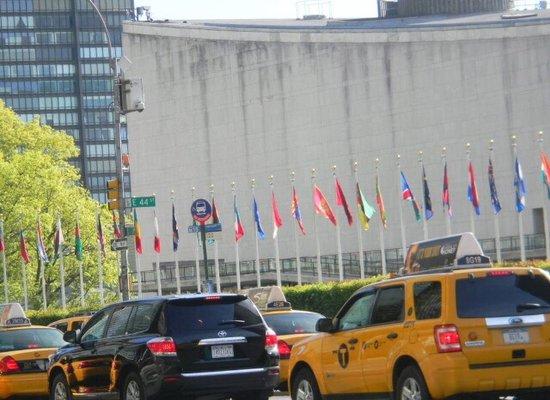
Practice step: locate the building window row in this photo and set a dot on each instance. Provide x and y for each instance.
(96, 69)
(53, 119)
(98, 182)
(99, 134)
(45, 21)
(99, 37)
(39, 71)
(38, 54)
(90, 20)
(98, 117)
(106, 5)
(34, 5)
(100, 196)
(37, 87)
(97, 85)
(100, 166)
(75, 133)
(35, 38)
(99, 52)
(97, 101)
(42, 103)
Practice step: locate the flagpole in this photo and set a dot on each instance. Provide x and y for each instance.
(319, 269)
(276, 239)
(176, 262)
(469, 158)
(237, 261)
(520, 216)
(447, 213)
(258, 276)
(296, 242)
(80, 271)
(423, 211)
(381, 225)
(197, 263)
(338, 240)
(61, 265)
(544, 206)
(359, 232)
(25, 290)
(159, 284)
(216, 255)
(100, 263)
(4, 264)
(400, 197)
(495, 215)
(42, 272)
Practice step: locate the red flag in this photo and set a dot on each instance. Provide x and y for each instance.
(215, 216)
(321, 205)
(277, 220)
(239, 228)
(157, 236)
(137, 234)
(295, 209)
(341, 201)
(2, 244)
(23, 248)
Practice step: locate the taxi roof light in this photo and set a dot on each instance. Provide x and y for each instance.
(8, 365)
(12, 314)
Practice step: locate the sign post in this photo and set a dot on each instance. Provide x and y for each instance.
(201, 211)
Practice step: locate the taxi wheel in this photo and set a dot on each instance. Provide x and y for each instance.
(411, 385)
(304, 386)
(133, 388)
(60, 388)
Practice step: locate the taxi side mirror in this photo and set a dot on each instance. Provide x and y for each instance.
(71, 336)
(324, 325)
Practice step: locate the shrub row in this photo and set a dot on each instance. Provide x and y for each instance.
(44, 317)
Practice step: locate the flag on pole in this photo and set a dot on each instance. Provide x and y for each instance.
(259, 229)
(239, 228)
(428, 213)
(100, 236)
(446, 196)
(137, 234)
(472, 189)
(380, 204)
(277, 220)
(408, 196)
(156, 241)
(321, 205)
(342, 202)
(215, 216)
(519, 183)
(59, 240)
(116, 229)
(175, 230)
(364, 209)
(2, 244)
(493, 188)
(40, 243)
(23, 251)
(545, 171)
(295, 209)
(78, 247)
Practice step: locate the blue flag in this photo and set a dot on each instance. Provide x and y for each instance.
(257, 220)
(493, 189)
(519, 183)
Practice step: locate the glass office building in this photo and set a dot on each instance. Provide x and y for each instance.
(54, 64)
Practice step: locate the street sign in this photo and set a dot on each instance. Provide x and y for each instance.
(208, 228)
(210, 242)
(119, 244)
(201, 210)
(147, 201)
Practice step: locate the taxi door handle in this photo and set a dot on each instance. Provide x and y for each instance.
(353, 341)
(392, 336)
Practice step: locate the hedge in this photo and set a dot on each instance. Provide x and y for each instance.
(45, 317)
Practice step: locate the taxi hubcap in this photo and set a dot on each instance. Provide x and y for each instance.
(305, 392)
(132, 391)
(60, 391)
(411, 390)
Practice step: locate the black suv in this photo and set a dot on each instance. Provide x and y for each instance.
(184, 347)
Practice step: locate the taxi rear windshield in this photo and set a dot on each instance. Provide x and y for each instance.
(24, 339)
(292, 323)
(502, 296)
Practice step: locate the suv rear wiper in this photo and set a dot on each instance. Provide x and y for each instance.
(232, 321)
(530, 306)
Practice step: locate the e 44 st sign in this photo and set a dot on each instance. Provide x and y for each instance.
(148, 201)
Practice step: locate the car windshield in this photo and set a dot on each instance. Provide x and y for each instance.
(32, 338)
(293, 322)
(502, 296)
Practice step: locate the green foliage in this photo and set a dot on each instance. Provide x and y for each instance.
(37, 181)
(45, 317)
(325, 298)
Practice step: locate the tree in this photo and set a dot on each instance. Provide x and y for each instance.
(37, 181)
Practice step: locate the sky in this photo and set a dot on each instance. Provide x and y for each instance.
(256, 9)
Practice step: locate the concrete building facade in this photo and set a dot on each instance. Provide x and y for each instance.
(230, 101)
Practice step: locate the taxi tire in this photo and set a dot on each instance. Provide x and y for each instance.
(412, 373)
(60, 379)
(305, 374)
(133, 379)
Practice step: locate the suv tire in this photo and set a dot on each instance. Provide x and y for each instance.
(304, 386)
(60, 388)
(411, 385)
(133, 388)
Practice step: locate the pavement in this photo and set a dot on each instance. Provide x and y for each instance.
(280, 396)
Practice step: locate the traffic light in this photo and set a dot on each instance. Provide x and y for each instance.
(113, 186)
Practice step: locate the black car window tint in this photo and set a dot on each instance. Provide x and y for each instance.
(142, 318)
(358, 314)
(293, 322)
(389, 306)
(119, 321)
(427, 300)
(96, 327)
(62, 327)
(77, 325)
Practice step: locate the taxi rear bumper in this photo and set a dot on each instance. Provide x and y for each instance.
(23, 384)
(450, 375)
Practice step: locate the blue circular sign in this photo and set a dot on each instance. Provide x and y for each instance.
(201, 210)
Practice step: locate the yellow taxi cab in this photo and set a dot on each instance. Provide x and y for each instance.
(24, 352)
(452, 325)
(71, 323)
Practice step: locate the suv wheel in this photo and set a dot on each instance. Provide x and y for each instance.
(60, 388)
(133, 388)
(411, 385)
(304, 386)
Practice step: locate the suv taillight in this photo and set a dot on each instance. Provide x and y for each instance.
(447, 339)
(162, 346)
(271, 342)
(8, 366)
(284, 349)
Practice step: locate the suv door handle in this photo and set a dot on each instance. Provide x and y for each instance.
(392, 336)
(353, 341)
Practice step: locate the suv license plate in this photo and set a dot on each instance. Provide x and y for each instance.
(224, 351)
(516, 336)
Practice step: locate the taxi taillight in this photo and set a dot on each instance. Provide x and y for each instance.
(8, 365)
(447, 339)
(284, 349)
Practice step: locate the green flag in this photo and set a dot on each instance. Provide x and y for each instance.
(365, 210)
(78, 248)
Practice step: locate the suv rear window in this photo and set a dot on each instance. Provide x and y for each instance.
(206, 314)
(502, 296)
(293, 322)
